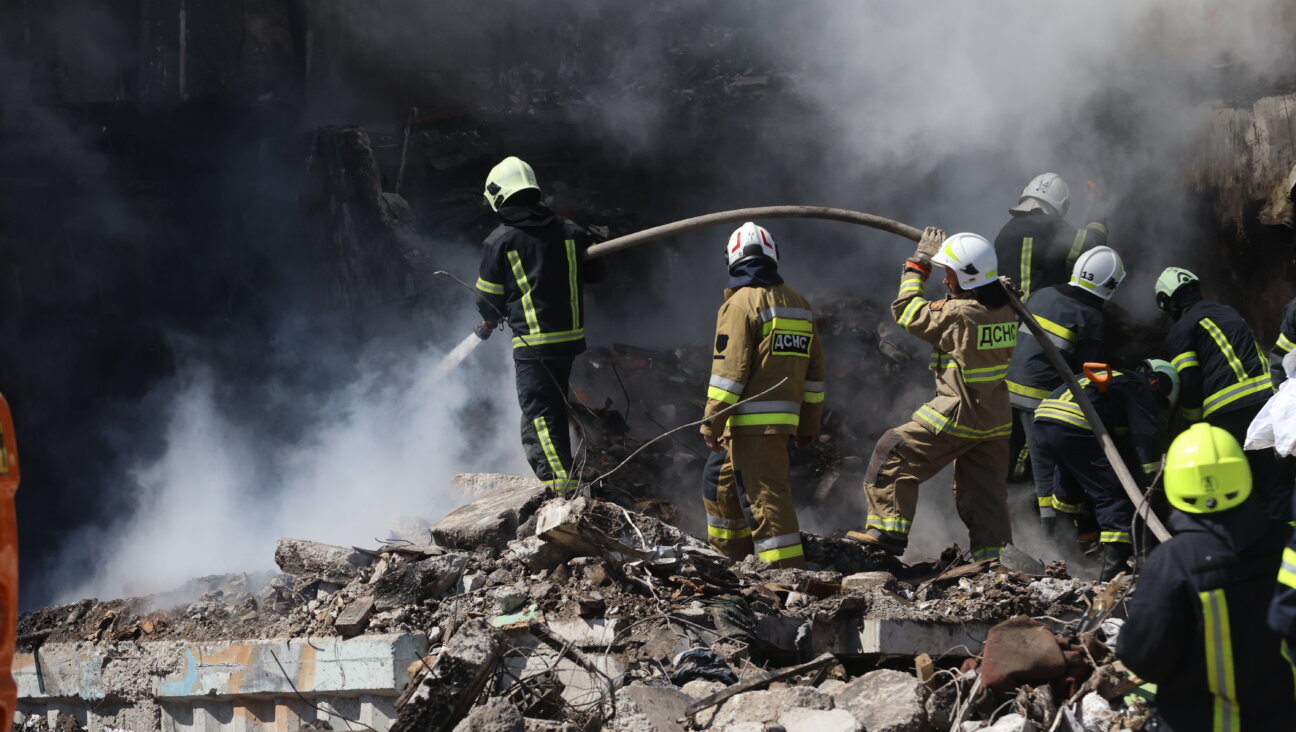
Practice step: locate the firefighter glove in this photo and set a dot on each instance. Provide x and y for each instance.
(928, 246)
(483, 331)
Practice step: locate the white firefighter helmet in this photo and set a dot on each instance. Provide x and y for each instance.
(1099, 271)
(972, 257)
(1171, 279)
(1167, 379)
(1047, 191)
(510, 176)
(748, 242)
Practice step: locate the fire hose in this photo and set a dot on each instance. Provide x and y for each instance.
(877, 222)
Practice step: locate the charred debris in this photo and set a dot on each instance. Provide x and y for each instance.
(544, 613)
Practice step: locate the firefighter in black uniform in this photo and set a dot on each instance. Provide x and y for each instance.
(1196, 623)
(1037, 248)
(533, 273)
(1223, 373)
(1130, 406)
(1285, 344)
(1071, 315)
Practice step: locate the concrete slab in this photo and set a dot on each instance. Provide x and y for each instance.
(873, 636)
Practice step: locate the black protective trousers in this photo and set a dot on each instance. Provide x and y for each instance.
(1081, 470)
(542, 387)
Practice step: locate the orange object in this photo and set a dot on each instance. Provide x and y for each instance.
(8, 561)
(1099, 374)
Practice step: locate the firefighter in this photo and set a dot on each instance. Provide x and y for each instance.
(767, 385)
(1285, 344)
(1071, 315)
(1196, 622)
(1130, 406)
(1038, 248)
(1282, 610)
(532, 275)
(972, 333)
(1223, 372)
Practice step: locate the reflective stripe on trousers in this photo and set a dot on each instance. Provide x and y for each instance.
(775, 548)
(1219, 660)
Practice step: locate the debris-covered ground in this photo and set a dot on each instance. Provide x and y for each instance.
(547, 613)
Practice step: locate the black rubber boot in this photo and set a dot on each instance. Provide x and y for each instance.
(1116, 556)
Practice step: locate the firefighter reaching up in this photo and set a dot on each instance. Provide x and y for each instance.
(972, 333)
(767, 374)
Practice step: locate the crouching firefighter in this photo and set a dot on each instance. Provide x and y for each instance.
(1130, 406)
(768, 357)
(968, 422)
(1196, 624)
(533, 273)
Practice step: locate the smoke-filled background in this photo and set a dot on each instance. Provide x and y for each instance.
(219, 221)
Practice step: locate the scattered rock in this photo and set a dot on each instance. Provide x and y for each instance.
(819, 720)
(492, 519)
(496, 715)
(1017, 560)
(765, 707)
(886, 701)
(538, 555)
(337, 564)
(650, 709)
(354, 618)
(1020, 651)
(445, 693)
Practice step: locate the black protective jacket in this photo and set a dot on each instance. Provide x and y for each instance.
(1037, 250)
(1128, 409)
(1197, 626)
(1073, 320)
(533, 271)
(1285, 344)
(1220, 363)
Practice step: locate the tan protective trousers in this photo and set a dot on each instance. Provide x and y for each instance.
(911, 454)
(757, 467)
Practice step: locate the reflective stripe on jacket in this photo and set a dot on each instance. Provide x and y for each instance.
(764, 334)
(972, 346)
(1285, 344)
(1073, 321)
(1221, 366)
(533, 271)
(1038, 250)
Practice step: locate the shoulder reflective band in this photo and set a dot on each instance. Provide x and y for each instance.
(1028, 245)
(1224, 346)
(1077, 244)
(1097, 226)
(987, 552)
(987, 374)
(893, 525)
(814, 392)
(942, 425)
(1246, 387)
(528, 307)
(1114, 537)
(725, 390)
(1284, 343)
(775, 548)
(1185, 360)
(572, 264)
(490, 288)
(1062, 337)
(996, 335)
(1219, 660)
(910, 311)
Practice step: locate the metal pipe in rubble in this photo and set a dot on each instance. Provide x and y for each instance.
(908, 232)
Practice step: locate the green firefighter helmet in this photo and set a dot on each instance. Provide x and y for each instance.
(511, 176)
(1206, 471)
(1171, 279)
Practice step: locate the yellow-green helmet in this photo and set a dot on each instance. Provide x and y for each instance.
(510, 176)
(1206, 471)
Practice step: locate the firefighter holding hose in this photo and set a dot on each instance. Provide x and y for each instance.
(767, 374)
(533, 273)
(968, 422)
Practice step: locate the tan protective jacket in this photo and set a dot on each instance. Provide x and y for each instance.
(764, 334)
(972, 346)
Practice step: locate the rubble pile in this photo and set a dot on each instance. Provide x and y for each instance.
(545, 613)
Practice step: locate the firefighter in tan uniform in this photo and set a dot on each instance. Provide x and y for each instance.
(968, 422)
(766, 350)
